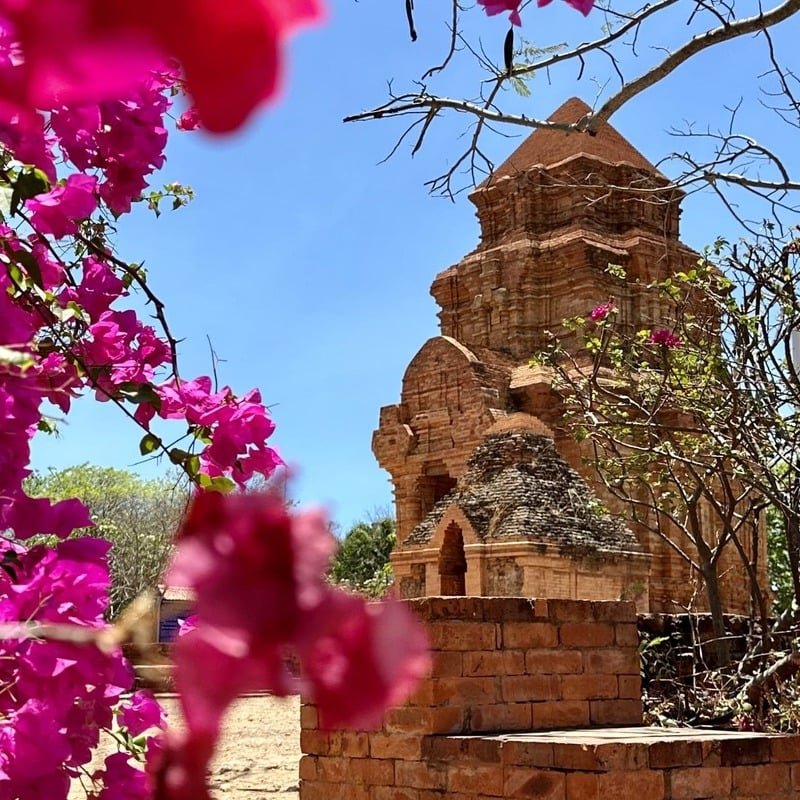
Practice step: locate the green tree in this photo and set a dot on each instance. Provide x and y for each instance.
(705, 415)
(362, 562)
(138, 517)
(778, 563)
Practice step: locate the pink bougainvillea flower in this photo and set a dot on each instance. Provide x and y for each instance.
(105, 46)
(665, 337)
(599, 313)
(140, 712)
(356, 644)
(252, 566)
(258, 574)
(188, 121)
(492, 7)
(58, 211)
(122, 779)
(584, 6)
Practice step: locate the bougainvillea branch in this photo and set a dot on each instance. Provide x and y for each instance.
(86, 87)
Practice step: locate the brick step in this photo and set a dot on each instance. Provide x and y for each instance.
(631, 762)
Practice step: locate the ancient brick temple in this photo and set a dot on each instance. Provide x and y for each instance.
(491, 492)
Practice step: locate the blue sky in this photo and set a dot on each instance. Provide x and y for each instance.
(307, 263)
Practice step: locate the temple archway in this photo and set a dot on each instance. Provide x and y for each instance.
(452, 562)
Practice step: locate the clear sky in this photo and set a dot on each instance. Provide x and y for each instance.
(307, 263)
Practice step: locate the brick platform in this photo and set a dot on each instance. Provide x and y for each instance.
(505, 710)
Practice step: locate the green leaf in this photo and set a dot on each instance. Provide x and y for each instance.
(520, 87)
(218, 484)
(178, 456)
(149, 443)
(29, 183)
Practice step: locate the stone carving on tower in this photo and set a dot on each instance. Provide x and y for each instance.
(491, 491)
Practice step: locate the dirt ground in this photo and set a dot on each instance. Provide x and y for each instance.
(260, 749)
(259, 753)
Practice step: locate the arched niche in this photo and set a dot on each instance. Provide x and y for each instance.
(452, 562)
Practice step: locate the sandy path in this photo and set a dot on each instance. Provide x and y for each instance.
(259, 753)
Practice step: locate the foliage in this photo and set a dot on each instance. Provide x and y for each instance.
(138, 517)
(780, 568)
(693, 422)
(362, 561)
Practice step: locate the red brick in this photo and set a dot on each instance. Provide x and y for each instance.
(446, 664)
(529, 635)
(530, 688)
(752, 750)
(701, 782)
(508, 609)
(447, 608)
(586, 634)
(534, 783)
(612, 662)
(616, 756)
(497, 662)
(485, 750)
(308, 768)
(583, 786)
(332, 769)
(553, 661)
(766, 779)
(420, 775)
(520, 753)
(335, 743)
(319, 790)
(785, 748)
(541, 608)
(355, 744)
(570, 610)
(615, 712)
(614, 611)
(469, 778)
(664, 754)
(711, 751)
(422, 695)
(444, 748)
(630, 687)
(371, 771)
(314, 742)
(795, 776)
(421, 720)
(465, 691)
(446, 720)
(407, 720)
(395, 745)
(462, 635)
(309, 718)
(500, 717)
(560, 714)
(588, 687)
(637, 783)
(626, 635)
(394, 793)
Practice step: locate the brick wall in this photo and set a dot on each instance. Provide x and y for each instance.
(525, 700)
(499, 665)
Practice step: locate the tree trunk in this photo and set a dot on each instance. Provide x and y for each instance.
(719, 648)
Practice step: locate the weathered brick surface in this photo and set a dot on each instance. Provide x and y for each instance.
(515, 722)
(545, 241)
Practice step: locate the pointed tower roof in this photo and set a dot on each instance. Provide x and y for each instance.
(547, 147)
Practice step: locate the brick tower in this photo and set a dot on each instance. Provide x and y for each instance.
(553, 216)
